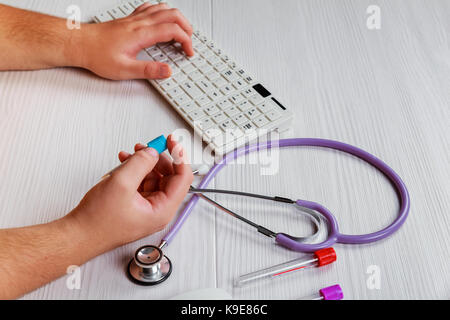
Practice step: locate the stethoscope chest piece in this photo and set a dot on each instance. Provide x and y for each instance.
(149, 266)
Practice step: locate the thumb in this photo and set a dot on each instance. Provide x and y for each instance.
(137, 167)
(147, 70)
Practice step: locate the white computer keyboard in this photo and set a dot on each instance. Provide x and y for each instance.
(220, 100)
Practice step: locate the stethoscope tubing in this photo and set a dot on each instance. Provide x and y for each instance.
(334, 235)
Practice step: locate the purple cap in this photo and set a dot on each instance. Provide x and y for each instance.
(332, 293)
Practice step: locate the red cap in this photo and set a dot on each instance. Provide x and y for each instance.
(326, 256)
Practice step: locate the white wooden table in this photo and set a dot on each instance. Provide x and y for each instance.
(387, 91)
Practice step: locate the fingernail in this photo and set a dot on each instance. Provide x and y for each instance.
(152, 152)
(164, 71)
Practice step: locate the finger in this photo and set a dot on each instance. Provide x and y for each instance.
(139, 147)
(165, 165)
(148, 8)
(179, 155)
(151, 184)
(135, 69)
(172, 16)
(166, 32)
(133, 172)
(124, 156)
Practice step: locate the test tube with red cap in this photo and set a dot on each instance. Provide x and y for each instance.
(327, 294)
(318, 259)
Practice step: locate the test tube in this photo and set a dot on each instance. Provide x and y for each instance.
(327, 294)
(319, 259)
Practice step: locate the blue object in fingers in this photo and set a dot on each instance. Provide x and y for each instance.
(159, 144)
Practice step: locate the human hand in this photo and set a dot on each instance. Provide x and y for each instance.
(109, 49)
(138, 199)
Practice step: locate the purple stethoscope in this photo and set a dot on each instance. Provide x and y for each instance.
(151, 267)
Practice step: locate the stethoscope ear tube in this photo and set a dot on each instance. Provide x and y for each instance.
(334, 235)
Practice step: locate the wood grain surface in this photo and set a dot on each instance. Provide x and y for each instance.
(386, 91)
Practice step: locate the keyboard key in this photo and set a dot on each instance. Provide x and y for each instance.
(248, 127)
(180, 77)
(205, 68)
(273, 115)
(211, 44)
(196, 75)
(227, 125)
(189, 68)
(239, 84)
(154, 51)
(261, 121)
(211, 110)
(197, 115)
(225, 58)
(175, 92)
(200, 47)
(220, 82)
(169, 50)
(215, 95)
(244, 106)
(220, 117)
(231, 112)
(212, 75)
(176, 56)
(248, 78)
(230, 75)
(237, 98)
(249, 92)
(182, 100)
(188, 108)
(198, 62)
(192, 90)
(206, 53)
(220, 66)
(256, 99)
(224, 104)
(233, 65)
(212, 133)
(161, 57)
(205, 85)
(183, 63)
(234, 134)
(203, 101)
(214, 59)
(253, 113)
(104, 17)
(167, 85)
(266, 107)
(126, 8)
(240, 119)
(205, 124)
(136, 3)
(116, 13)
(226, 90)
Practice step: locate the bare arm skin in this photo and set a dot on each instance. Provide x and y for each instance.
(137, 200)
(30, 40)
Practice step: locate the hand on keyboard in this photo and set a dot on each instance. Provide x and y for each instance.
(110, 49)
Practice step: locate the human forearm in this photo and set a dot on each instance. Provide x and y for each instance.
(30, 40)
(136, 200)
(31, 257)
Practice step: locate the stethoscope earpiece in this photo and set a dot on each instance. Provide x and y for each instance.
(149, 267)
